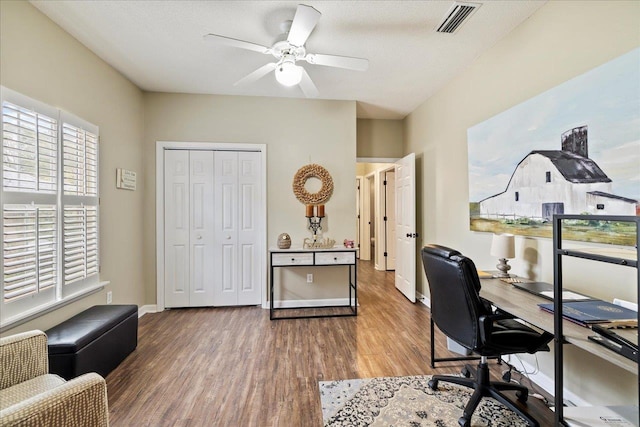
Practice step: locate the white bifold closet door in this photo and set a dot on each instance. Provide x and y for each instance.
(236, 201)
(211, 200)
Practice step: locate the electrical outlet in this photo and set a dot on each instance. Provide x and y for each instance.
(109, 297)
(309, 278)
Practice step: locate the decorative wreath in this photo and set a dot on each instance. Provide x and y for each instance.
(300, 179)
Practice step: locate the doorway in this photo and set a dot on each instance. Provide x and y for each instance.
(375, 214)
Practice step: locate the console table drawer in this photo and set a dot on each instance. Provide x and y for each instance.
(292, 259)
(329, 258)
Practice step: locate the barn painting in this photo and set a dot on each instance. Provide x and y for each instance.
(574, 149)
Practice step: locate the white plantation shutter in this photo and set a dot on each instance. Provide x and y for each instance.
(80, 242)
(49, 205)
(80, 202)
(29, 141)
(80, 161)
(29, 250)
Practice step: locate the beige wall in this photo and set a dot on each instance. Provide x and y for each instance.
(297, 132)
(40, 60)
(379, 138)
(560, 41)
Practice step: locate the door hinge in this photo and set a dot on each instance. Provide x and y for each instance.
(384, 218)
(384, 182)
(385, 254)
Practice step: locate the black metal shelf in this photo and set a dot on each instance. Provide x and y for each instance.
(588, 254)
(577, 253)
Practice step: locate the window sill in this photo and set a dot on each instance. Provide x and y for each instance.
(14, 321)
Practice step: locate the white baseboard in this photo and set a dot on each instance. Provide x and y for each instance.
(426, 301)
(149, 308)
(311, 303)
(547, 383)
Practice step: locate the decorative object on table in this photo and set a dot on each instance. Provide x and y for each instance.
(303, 175)
(404, 401)
(503, 247)
(314, 214)
(348, 243)
(284, 241)
(325, 243)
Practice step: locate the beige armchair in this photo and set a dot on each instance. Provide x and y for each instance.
(30, 396)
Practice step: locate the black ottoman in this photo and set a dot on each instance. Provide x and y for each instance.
(96, 340)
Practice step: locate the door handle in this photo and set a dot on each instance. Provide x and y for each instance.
(199, 237)
(414, 235)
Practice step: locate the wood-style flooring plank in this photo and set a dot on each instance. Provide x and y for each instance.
(232, 366)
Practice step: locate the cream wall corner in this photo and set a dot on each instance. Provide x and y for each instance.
(562, 40)
(296, 131)
(42, 61)
(378, 138)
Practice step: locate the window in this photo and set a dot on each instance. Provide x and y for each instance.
(517, 196)
(50, 215)
(548, 176)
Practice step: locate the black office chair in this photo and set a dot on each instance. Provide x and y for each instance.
(462, 315)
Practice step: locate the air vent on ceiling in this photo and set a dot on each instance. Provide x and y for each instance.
(456, 16)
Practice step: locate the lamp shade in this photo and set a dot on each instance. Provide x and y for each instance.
(503, 246)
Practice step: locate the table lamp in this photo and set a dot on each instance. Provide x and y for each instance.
(503, 247)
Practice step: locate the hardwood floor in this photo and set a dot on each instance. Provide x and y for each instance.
(235, 367)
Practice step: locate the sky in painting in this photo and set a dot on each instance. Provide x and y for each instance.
(606, 99)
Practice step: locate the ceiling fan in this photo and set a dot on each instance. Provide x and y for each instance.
(287, 52)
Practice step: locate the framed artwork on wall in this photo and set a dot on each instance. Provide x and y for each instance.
(574, 149)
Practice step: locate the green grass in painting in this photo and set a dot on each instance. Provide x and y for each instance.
(615, 233)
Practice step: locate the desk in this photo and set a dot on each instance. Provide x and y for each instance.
(524, 305)
(344, 257)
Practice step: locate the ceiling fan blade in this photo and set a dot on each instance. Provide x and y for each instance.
(306, 84)
(303, 23)
(256, 75)
(237, 43)
(348, 62)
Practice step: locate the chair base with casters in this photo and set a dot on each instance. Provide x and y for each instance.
(483, 387)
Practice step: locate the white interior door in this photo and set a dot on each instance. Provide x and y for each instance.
(390, 222)
(406, 226)
(250, 268)
(188, 228)
(358, 221)
(236, 257)
(176, 228)
(365, 235)
(201, 230)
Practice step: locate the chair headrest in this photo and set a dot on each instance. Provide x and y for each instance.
(441, 251)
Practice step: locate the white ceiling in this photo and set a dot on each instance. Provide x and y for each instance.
(159, 46)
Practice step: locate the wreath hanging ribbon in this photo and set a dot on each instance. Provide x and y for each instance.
(300, 179)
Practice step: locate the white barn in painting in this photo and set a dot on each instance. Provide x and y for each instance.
(548, 182)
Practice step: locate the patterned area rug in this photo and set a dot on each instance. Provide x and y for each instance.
(405, 401)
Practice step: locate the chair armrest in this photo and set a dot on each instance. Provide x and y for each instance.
(81, 401)
(487, 322)
(22, 357)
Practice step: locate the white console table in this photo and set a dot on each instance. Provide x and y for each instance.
(298, 257)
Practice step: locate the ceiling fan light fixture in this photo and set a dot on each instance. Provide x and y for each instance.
(288, 73)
